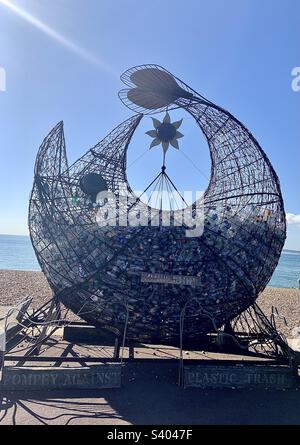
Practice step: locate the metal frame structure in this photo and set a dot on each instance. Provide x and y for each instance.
(95, 269)
(251, 335)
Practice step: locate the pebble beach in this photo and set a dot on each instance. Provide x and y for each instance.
(15, 285)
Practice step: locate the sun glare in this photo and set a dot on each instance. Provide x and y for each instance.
(29, 18)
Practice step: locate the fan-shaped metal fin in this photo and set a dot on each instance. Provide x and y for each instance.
(152, 88)
(48, 206)
(51, 159)
(149, 99)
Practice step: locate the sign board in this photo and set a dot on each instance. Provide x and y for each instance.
(50, 378)
(255, 376)
(183, 280)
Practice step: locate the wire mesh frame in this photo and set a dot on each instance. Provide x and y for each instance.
(33, 332)
(234, 258)
(29, 326)
(266, 338)
(250, 331)
(252, 326)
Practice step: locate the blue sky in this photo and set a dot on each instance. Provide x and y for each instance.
(64, 61)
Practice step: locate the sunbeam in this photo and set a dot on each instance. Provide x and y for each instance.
(55, 35)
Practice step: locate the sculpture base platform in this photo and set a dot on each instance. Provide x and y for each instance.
(53, 354)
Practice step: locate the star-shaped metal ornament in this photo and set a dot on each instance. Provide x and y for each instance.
(165, 133)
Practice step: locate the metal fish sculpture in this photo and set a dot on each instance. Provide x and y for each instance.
(146, 276)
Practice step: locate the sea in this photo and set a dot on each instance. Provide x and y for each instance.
(16, 253)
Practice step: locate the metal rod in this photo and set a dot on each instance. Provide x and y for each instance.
(204, 362)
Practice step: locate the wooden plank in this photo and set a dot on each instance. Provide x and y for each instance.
(267, 376)
(50, 378)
